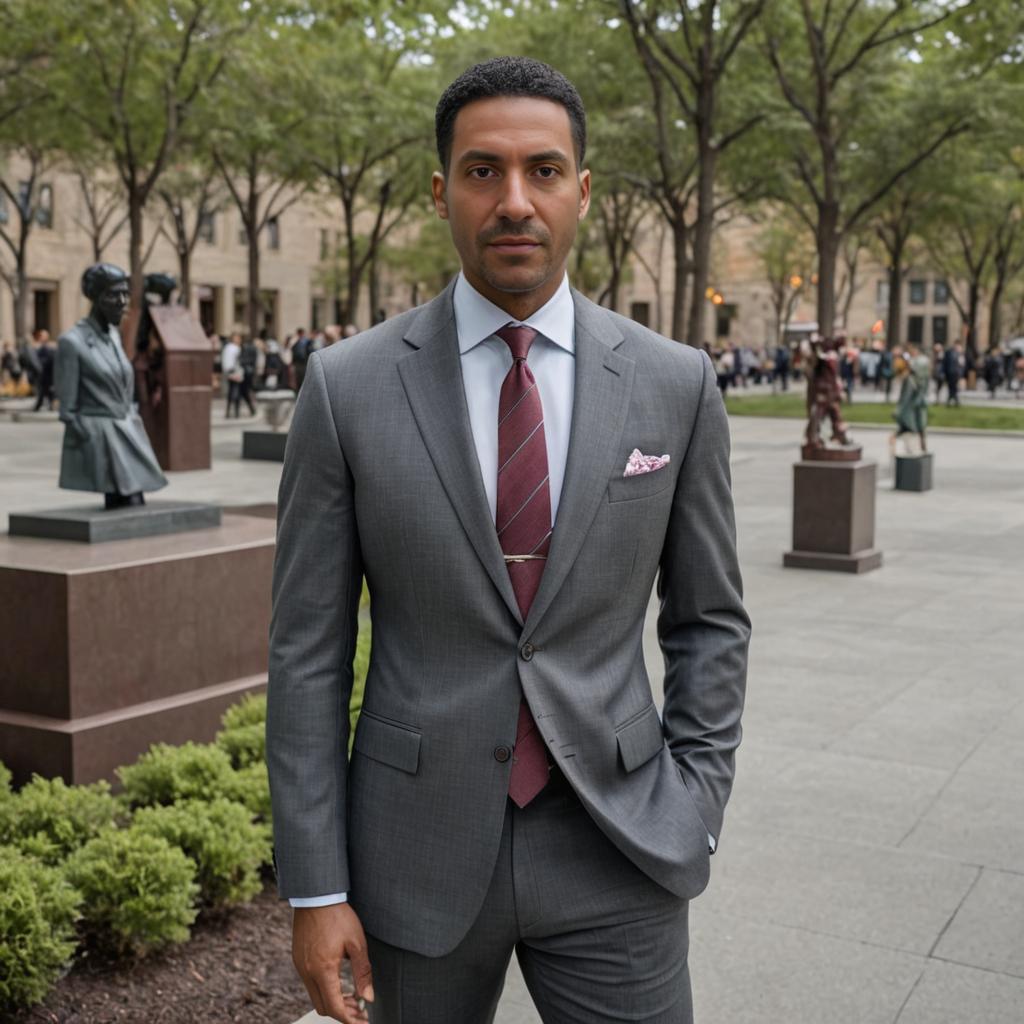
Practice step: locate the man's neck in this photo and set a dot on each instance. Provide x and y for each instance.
(519, 305)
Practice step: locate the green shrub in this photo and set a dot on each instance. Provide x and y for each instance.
(360, 666)
(49, 819)
(220, 836)
(245, 744)
(138, 891)
(251, 787)
(165, 774)
(38, 909)
(5, 782)
(250, 710)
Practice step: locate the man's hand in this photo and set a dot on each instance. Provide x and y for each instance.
(323, 937)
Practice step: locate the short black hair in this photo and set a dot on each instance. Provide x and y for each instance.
(99, 277)
(508, 76)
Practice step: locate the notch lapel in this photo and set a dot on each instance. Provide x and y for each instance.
(432, 378)
(603, 387)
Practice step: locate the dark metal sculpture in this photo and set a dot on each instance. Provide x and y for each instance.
(824, 401)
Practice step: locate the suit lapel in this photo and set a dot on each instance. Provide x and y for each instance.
(432, 378)
(603, 386)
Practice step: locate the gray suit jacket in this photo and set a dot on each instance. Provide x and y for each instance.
(381, 478)
(105, 444)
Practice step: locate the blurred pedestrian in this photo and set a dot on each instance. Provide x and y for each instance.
(46, 357)
(938, 369)
(249, 359)
(911, 412)
(993, 371)
(781, 366)
(953, 372)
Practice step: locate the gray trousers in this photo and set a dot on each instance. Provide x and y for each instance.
(597, 940)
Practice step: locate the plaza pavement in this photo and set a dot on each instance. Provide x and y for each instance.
(871, 870)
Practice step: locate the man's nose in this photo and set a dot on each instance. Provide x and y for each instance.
(515, 202)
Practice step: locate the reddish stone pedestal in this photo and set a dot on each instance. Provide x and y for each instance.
(111, 647)
(834, 517)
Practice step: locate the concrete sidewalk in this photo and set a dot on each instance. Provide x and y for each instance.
(872, 866)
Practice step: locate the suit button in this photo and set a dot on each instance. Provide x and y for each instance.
(527, 651)
(502, 754)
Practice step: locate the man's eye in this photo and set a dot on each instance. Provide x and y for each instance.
(481, 173)
(547, 172)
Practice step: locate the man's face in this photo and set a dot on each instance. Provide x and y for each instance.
(113, 302)
(513, 197)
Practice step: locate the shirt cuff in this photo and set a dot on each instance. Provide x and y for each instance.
(318, 901)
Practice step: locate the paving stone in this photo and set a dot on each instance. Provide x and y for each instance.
(949, 994)
(848, 890)
(751, 972)
(988, 930)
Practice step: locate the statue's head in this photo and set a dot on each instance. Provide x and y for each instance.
(106, 287)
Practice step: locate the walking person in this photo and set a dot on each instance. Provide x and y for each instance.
(231, 367)
(938, 369)
(248, 360)
(47, 357)
(952, 372)
(510, 467)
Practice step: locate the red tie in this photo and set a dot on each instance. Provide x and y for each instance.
(523, 521)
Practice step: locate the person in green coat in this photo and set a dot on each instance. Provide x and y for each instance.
(911, 411)
(105, 444)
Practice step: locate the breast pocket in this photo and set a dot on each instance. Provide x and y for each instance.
(645, 485)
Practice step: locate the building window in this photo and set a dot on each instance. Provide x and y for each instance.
(273, 233)
(641, 313)
(44, 208)
(918, 292)
(723, 319)
(206, 228)
(881, 293)
(915, 329)
(941, 293)
(940, 329)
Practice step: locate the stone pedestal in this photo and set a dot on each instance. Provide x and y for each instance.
(834, 517)
(914, 472)
(111, 647)
(94, 524)
(264, 444)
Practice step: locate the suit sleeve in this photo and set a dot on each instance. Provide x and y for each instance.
(703, 628)
(316, 589)
(66, 379)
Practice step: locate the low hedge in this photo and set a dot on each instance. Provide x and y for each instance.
(128, 873)
(38, 910)
(138, 891)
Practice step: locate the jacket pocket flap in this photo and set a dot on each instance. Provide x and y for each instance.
(388, 743)
(643, 485)
(640, 738)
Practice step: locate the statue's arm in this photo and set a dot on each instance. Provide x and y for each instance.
(66, 378)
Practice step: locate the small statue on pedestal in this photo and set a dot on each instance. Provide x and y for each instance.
(105, 444)
(824, 397)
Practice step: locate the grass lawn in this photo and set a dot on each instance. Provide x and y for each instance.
(793, 406)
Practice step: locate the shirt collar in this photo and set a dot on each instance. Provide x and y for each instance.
(477, 318)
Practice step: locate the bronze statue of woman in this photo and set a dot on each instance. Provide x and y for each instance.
(105, 444)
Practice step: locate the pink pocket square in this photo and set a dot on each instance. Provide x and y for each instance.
(639, 463)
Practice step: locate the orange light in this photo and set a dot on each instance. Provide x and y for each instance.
(814, 278)
(717, 298)
(878, 326)
(709, 292)
(795, 281)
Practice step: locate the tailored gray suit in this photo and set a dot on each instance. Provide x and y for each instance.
(105, 444)
(381, 478)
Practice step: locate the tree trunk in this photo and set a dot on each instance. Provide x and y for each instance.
(352, 269)
(136, 202)
(995, 326)
(702, 235)
(253, 239)
(828, 252)
(19, 295)
(679, 276)
(895, 314)
(973, 305)
(374, 282)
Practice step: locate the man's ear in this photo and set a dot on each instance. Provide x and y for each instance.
(584, 193)
(439, 191)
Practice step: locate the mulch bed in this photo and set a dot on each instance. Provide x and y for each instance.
(235, 968)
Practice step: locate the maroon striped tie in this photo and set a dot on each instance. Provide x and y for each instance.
(523, 521)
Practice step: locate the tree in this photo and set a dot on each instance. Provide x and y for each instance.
(105, 216)
(686, 49)
(827, 60)
(256, 147)
(369, 134)
(786, 251)
(132, 75)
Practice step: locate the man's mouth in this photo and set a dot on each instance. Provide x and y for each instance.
(514, 245)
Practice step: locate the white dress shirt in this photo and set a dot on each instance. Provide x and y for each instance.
(486, 361)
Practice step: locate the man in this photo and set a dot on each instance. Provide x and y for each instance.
(46, 357)
(953, 370)
(510, 466)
